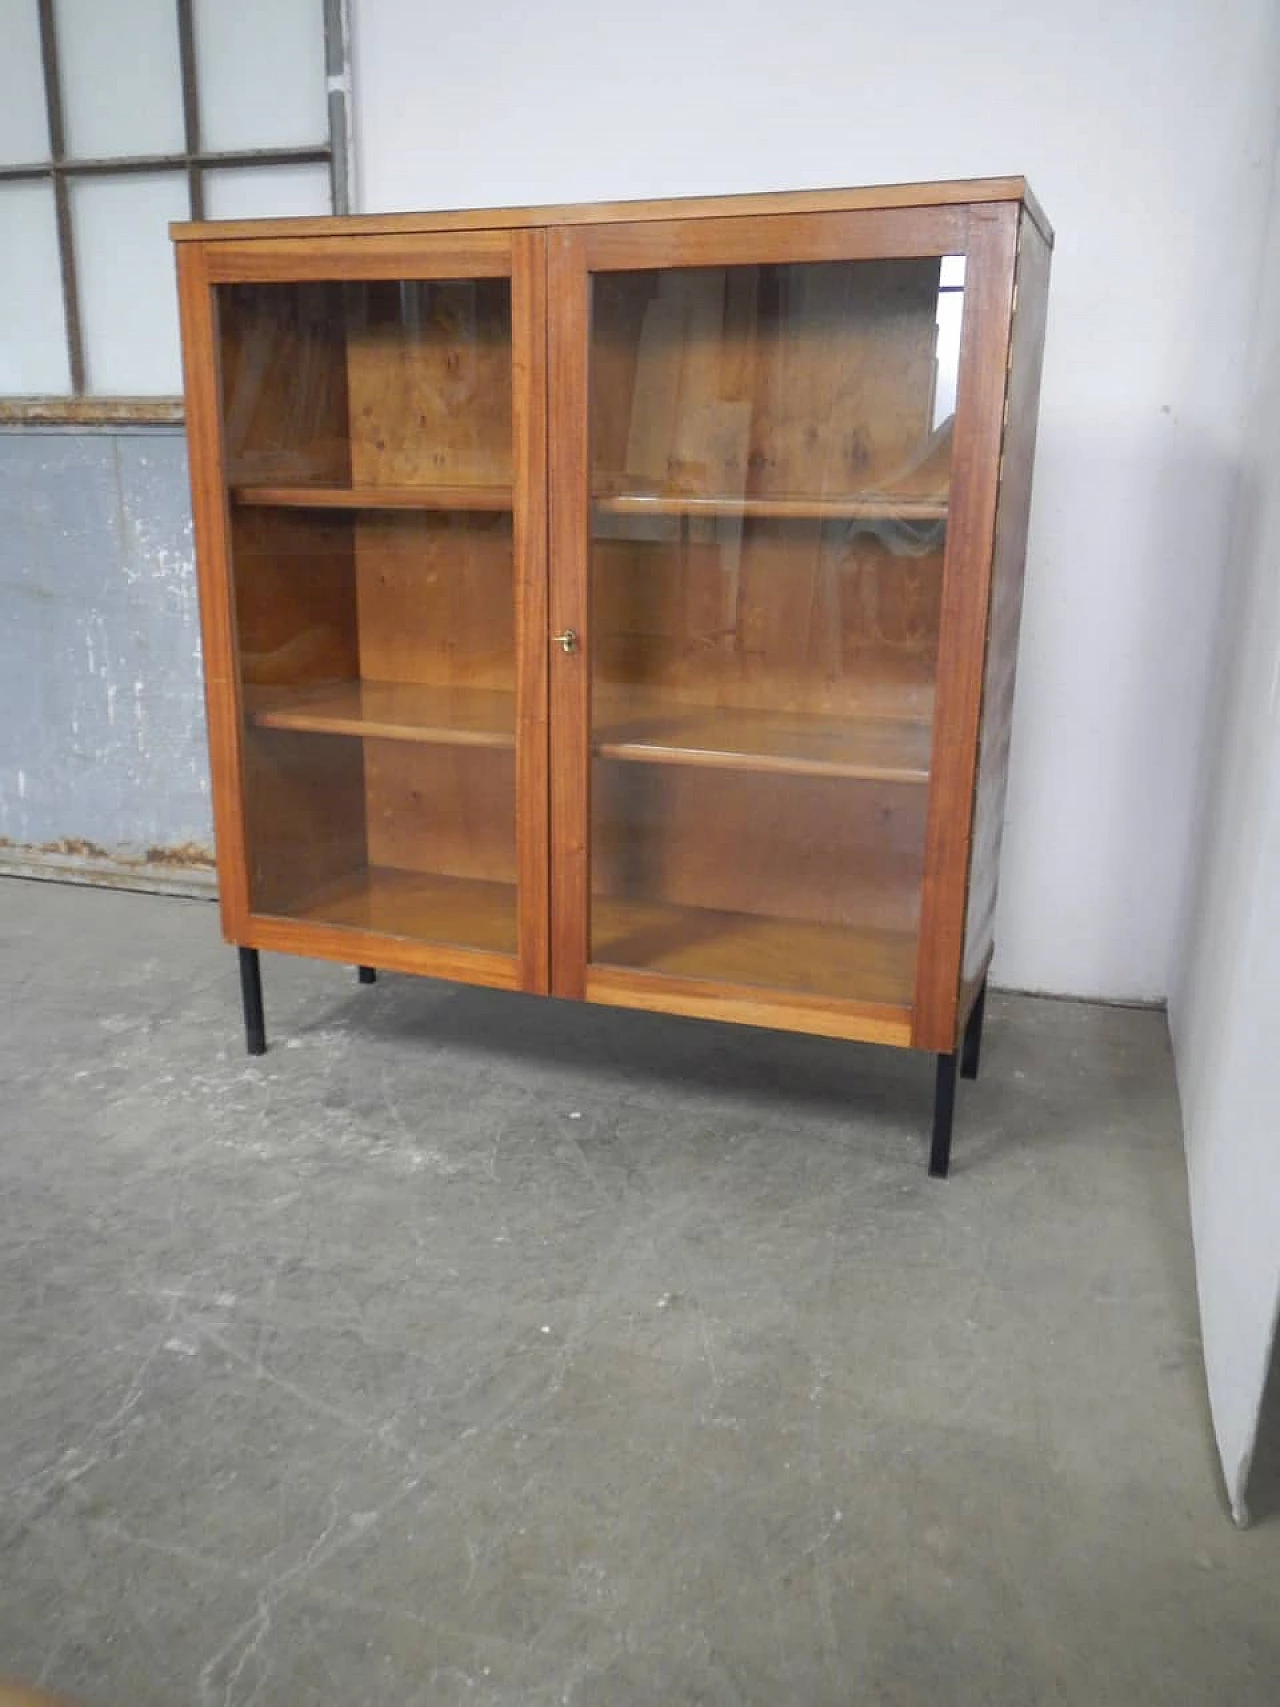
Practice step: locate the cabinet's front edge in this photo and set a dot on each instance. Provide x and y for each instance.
(351, 947)
(464, 255)
(975, 482)
(877, 234)
(213, 572)
(569, 324)
(776, 1010)
(529, 426)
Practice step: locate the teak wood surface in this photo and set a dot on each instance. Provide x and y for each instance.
(507, 879)
(948, 192)
(965, 589)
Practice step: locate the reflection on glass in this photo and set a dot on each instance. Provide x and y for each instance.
(771, 456)
(367, 432)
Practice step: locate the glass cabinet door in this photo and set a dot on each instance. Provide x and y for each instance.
(769, 468)
(367, 441)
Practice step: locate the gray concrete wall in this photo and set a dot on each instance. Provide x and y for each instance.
(102, 737)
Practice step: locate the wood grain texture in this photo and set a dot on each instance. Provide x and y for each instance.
(429, 383)
(450, 912)
(632, 725)
(716, 946)
(824, 1016)
(293, 577)
(569, 322)
(209, 513)
(776, 845)
(1008, 566)
(643, 725)
(327, 254)
(944, 193)
(398, 711)
(532, 778)
(304, 814)
(361, 945)
(991, 250)
(450, 811)
(801, 616)
(852, 508)
(304, 497)
(282, 358)
(435, 597)
(788, 390)
(776, 239)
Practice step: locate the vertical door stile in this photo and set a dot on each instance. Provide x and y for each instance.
(529, 419)
(568, 416)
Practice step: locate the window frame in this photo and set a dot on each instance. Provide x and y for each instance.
(79, 407)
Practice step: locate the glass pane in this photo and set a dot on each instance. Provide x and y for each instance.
(368, 435)
(266, 192)
(121, 77)
(24, 122)
(33, 336)
(261, 74)
(124, 269)
(770, 471)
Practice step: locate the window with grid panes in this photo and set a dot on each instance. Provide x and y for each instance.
(118, 116)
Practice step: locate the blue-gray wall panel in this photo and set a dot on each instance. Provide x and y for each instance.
(102, 736)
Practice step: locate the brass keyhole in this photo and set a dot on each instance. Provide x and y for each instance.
(568, 641)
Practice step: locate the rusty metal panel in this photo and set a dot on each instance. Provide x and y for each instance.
(102, 741)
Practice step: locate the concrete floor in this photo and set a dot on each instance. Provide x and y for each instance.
(470, 1348)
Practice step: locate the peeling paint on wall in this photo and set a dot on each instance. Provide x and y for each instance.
(102, 734)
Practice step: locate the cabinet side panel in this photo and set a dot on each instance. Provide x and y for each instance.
(209, 512)
(983, 376)
(1008, 563)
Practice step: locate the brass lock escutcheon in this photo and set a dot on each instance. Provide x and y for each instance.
(568, 641)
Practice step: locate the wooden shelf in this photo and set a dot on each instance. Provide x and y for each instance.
(394, 711)
(740, 949)
(461, 912)
(854, 507)
(306, 497)
(643, 726)
(877, 966)
(636, 726)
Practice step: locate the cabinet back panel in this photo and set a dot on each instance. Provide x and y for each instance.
(305, 815)
(447, 810)
(820, 849)
(435, 599)
(770, 380)
(429, 381)
(796, 615)
(284, 382)
(294, 581)
(1008, 564)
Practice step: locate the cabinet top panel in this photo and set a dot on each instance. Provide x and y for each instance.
(960, 191)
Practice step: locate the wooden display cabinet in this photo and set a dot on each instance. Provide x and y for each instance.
(621, 602)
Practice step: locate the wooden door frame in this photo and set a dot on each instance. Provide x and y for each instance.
(521, 257)
(574, 253)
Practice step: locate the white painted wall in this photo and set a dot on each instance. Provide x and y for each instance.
(1224, 1007)
(1146, 129)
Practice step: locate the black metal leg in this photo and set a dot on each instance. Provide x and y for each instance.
(255, 1026)
(944, 1107)
(367, 975)
(971, 1047)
